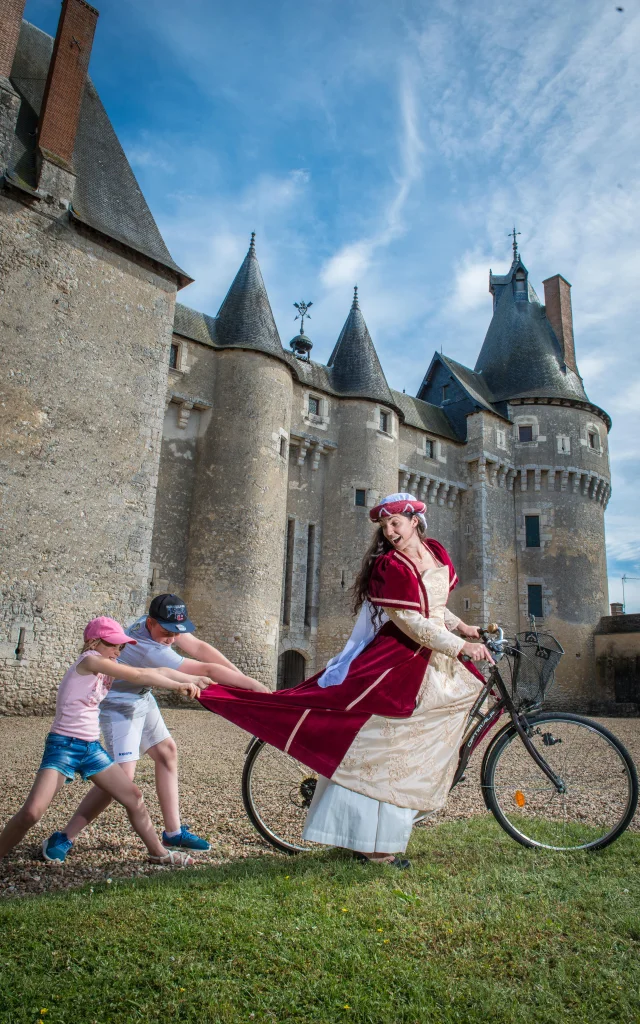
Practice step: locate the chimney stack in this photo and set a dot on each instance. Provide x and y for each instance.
(617, 608)
(62, 98)
(10, 21)
(557, 301)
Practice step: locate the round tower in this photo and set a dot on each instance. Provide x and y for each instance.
(236, 541)
(364, 469)
(560, 473)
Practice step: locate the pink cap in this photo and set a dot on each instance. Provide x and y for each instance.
(104, 628)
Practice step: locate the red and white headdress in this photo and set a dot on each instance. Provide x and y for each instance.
(397, 504)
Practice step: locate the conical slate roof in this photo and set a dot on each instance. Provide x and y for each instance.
(245, 319)
(521, 356)
(354, 363)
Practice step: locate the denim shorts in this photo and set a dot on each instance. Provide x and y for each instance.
(69, 755)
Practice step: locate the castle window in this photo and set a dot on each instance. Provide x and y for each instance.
(429, 448)
(532, 531)
(384, 422)
(314, 406)
(564, 444)
(520, 285)
(501, 438)
(288, 571)
(361, 497)
(525, 433)
(467, 604)
(311, 561)
(593, 440)
(283, 446)
(445, 392)
(534, 600)
(174, 353)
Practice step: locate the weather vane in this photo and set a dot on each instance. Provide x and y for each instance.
(302, 308)
(513, 234)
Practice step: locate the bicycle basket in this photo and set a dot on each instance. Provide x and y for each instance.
(534, 659)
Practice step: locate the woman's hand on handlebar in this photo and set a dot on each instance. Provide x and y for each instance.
(477, 652)
(471, 632)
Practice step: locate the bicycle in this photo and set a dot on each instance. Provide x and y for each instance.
(553, 780)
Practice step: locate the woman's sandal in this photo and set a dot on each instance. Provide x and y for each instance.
(401, 863)
(173, 859)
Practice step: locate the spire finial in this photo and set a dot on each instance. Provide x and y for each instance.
(514, 235)
(252, 244)
(354, 304)
(302, 308)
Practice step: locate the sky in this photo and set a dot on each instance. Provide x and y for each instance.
(394, 145)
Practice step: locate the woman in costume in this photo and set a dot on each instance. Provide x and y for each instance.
(383, 723)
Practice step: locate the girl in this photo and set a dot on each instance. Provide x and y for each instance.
(73, 742)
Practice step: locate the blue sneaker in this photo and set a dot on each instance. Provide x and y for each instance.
(56, 847)
(185, 841)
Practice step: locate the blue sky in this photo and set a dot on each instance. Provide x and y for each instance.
(393, 145)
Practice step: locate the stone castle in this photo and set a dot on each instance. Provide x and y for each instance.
(148, 447)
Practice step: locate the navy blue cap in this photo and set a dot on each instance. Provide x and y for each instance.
(170, 612)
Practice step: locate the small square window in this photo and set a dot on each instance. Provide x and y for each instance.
(174, 352)
(532, 531)
(429, 448)
(525, 433)
(384, 422)
(314, 406)
(593, 440)
(534, 600)
(361, 497)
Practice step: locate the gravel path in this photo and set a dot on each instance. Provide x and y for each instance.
(211, 756)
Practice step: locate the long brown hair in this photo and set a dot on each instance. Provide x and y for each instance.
(378, 546)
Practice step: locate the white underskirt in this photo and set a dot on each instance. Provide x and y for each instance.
(342, 817)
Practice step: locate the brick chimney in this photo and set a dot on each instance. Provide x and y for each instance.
(62, 98)
(557, 301)
(10, 21)
(617, 608)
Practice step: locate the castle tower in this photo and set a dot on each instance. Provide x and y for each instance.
(560, 468)
(236, 539)
(364, 469)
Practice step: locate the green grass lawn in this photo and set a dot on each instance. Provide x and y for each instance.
(481, 929)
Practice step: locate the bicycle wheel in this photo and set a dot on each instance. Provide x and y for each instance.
(276, 792)
(601, 784)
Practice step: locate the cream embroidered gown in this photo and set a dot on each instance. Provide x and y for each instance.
(397, 767)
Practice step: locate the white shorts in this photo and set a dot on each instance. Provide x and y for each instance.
(133, 728)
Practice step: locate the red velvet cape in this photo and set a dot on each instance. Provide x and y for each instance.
(318, 725)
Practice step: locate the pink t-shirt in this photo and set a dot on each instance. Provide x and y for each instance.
(77, 703)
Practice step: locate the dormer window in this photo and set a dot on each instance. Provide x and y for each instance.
(445, 392)
(520, 285)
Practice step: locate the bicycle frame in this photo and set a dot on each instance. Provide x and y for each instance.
(486, 722)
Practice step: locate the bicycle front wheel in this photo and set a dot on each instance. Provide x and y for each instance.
(599, 777)
(277, 791)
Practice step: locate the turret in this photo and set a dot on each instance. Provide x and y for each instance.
(364, 469)
(236, 541)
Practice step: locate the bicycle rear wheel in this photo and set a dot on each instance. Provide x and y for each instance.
(277, 791)
(601, 784)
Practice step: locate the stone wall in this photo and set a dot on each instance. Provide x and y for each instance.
(85, 341)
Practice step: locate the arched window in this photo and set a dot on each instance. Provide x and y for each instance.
(291, 669)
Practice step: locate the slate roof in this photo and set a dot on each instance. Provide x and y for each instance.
(189, 323)
(521, 356)
(107, 196)
(354, 364)
(423, 415)
(245, 319)
(472, 382)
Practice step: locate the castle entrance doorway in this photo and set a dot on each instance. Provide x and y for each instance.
(291, 669)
